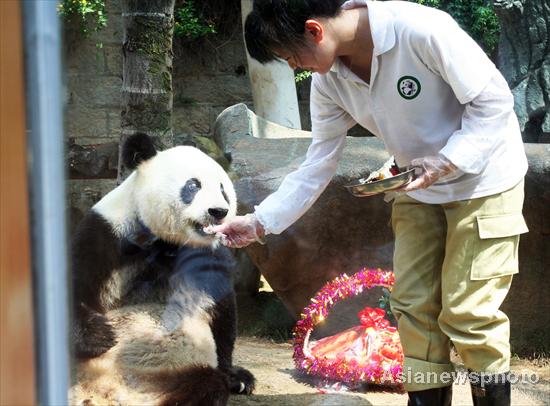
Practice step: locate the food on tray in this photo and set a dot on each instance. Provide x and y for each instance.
(387, 170)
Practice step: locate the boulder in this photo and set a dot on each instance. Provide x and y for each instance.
(524, 60)
(342, 233)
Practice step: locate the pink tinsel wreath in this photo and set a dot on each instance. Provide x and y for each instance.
(377, 368)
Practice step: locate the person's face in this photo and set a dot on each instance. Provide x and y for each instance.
(315, 55)
(307, 59)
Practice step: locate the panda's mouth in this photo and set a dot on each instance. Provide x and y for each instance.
(199, 229)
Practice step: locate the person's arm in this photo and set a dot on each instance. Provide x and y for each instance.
(301, 188)
(449, 52)
(296, 194)
(485, 119)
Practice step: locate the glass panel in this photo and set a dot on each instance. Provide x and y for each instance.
(155, 292)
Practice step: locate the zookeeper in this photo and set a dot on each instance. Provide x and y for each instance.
(411, 76)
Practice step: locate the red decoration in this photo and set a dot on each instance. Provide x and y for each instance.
(370, 317)
(370, 352)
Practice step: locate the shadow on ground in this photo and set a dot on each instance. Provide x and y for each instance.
(302, 399)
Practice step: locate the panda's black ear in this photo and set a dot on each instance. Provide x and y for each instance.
(137, 148)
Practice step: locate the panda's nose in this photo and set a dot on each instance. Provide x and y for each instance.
(217, 212)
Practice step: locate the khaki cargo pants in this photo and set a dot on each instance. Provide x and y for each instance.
(453, 267)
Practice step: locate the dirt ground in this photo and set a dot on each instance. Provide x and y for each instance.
(279, 384)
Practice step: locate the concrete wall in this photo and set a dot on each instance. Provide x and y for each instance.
(208, 76)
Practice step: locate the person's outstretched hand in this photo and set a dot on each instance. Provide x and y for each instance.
(239, 232)
(432, 168)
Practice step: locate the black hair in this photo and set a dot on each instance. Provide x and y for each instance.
(281, 24)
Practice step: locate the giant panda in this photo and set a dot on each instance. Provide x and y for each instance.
(154, 306)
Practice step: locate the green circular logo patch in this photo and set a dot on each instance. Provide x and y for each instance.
(408, 87)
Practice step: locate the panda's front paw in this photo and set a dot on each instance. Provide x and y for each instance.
(241, 381)
(93, 335)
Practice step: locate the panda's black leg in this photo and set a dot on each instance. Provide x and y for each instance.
(224, 329)
(196, 386)
(241, 381)
(93, 335)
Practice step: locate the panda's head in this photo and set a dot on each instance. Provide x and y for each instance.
(179, 191)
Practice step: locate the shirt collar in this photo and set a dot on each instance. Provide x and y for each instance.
(381, 26)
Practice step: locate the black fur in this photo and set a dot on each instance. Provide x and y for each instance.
(241, 381)
(165, 268)
(160, 271)
(189, 190)
(92, 333)
(94, 256)
(96, 253)
(224, 329)
(198, 386)
(137, 148)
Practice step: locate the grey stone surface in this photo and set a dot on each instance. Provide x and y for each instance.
(93, 82)
(195, 118)
(528, 303)
(113, 59)
(524, 60)
(82, 120)
(112, 33)
(93, 161)
(83, 194)
(97, 91)
(247, 275)
(211, 56)
(341, 233)
(84, 58)
(225, 89)
(338, 234)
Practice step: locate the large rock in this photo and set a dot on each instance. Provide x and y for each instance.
(341, 233)
(524, 60)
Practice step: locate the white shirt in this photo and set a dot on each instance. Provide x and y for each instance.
(432, 90)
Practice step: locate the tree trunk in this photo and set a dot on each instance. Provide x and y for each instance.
(148, 28)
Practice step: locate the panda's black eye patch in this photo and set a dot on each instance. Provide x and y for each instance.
(223, 193)
(189, 190)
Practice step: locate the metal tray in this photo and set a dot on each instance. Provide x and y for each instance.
(361, 188)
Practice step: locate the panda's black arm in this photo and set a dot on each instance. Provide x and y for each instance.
(95, 255)
(224, 330)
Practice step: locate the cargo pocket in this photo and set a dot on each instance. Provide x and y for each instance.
(496, 247)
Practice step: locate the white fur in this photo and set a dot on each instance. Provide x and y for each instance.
(119, 207)
(117, 286)
(152, 193)
(145, 346)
